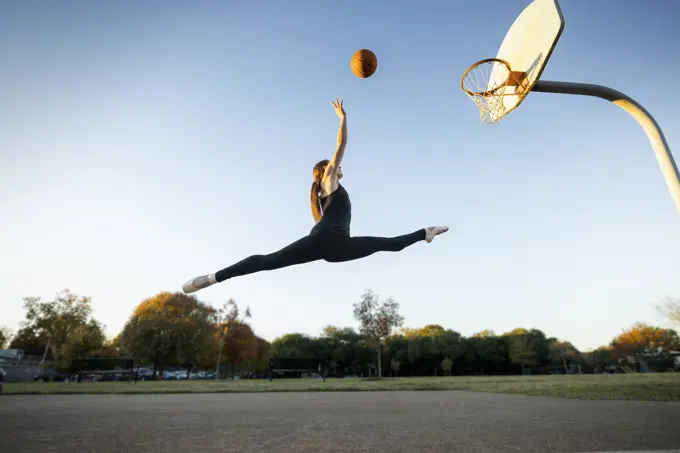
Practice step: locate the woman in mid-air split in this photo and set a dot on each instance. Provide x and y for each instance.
(329, 239)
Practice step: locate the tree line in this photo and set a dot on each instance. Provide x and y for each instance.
(177, 331)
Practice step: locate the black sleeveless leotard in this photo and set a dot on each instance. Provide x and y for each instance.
(337, 213)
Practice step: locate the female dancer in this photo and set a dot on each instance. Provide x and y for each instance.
(329, 240)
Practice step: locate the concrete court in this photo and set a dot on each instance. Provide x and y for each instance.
(333, 422)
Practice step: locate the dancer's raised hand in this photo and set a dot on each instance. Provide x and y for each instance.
(337, 105)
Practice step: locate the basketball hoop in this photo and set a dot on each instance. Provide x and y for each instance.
(487, 82)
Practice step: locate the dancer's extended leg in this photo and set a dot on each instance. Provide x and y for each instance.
(301, 251)
(354, 248)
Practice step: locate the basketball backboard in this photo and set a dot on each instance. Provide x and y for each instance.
(526, 48)
(499, 85)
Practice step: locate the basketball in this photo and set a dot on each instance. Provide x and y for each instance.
(364, 63)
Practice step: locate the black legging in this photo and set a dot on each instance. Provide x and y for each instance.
(331, 247)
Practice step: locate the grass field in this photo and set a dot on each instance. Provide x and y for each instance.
(648, 386)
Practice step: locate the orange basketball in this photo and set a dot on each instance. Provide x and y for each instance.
(364, 63)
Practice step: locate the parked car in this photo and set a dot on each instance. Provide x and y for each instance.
(47, 377)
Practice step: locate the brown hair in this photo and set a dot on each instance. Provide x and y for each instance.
(314, 201)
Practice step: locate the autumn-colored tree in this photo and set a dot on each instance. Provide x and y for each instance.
(430, 330)
(234, 336)
(240, 343)
(641, 338)
(409, 332)
(484, 334)
(169, 328)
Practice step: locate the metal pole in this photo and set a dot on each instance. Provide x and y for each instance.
(643, 117)
(47, 346)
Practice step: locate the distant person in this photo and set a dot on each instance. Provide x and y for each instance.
(322, 371)
(330, 238)
(271, 368)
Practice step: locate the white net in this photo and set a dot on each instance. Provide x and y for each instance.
(486, 83)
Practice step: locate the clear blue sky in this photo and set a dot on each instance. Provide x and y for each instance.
(145, 143)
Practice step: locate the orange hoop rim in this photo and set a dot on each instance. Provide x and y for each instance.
(488, 92)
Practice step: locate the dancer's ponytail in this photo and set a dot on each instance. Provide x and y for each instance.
(314, 200)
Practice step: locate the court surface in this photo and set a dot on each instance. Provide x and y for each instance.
(421, 421)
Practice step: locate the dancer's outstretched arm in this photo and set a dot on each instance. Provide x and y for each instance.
(331, 174)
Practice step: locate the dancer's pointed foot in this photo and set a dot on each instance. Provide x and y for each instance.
(197, 283)
(431, 232)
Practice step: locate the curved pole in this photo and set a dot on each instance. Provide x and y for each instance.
(643, 117)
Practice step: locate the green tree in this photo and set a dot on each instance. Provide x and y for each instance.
(414, 353)
(601, 357)
(487, 352)
(30, 340)
(111, 348)
(450, 344)
(562, 353)
(527, 347)
(86, 340)
(59, 319)
(447, 363)
(377, 320)
(293, 345)
(397, 349)
(431, 353)
(394, 364)
(194, 335)
(342, 345)
(260, 359)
